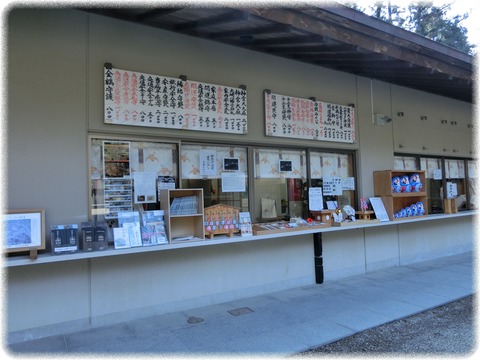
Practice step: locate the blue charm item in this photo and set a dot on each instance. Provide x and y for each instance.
(405, 183)
(420, 208)
(396, 186)
(415, 183)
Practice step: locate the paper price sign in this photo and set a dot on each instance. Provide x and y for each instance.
(332, 185)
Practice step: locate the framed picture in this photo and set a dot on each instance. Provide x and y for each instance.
(116, 159)
(24, 230)
(284, 165)
(230, 164)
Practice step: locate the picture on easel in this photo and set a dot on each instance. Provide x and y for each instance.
(24, 230)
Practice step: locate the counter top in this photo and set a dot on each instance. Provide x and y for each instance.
(24, 260)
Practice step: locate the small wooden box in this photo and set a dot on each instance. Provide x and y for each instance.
(324, 216)
(364, 215)
(450, 207)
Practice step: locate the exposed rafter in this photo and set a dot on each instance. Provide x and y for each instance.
(335, 37)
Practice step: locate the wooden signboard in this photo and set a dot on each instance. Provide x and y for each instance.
(287, 116)
(138, 99)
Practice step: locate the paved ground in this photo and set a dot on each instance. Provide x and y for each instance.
(289, 322)
(445, 330)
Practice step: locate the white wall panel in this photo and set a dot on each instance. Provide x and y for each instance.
(343, 254)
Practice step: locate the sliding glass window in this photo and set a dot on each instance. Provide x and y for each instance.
(126, 174)
(434, 177)
(472, 184)
(279, 184)
(326, 167)
(455, 182)
(221, 171)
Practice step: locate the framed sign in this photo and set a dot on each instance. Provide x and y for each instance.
(24, 230)
(231, 164)
(292, 117)
(140, 99)
(284, 165)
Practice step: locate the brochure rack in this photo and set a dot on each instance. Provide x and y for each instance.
(185, 222)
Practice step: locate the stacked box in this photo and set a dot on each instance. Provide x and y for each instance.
(94, 236)
(64, 239)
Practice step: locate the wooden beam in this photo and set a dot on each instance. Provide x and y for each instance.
(344, 31)
(156, 13)
(214, 20)
(252, 31)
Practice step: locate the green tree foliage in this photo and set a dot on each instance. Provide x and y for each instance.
(423, 18)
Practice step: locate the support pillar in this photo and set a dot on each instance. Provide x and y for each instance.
(317, 251)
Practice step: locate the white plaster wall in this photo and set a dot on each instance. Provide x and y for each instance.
(419, 241)
(381, 248)
(431, 136)
(46, 113)
(376, 142)
(46, 299)
(169, 281)
(343, 254)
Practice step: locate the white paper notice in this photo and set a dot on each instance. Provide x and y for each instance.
(208, 162)
(144, 187)
(332, 205)
(348, 183)
(452, 191)
(315, 199)
(379, 208)
(332, 185)
(437, 174)
(233, 182)
(166, 182)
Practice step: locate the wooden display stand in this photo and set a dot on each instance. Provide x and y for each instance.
(183, 227)
(364, 215)
(393, 201)
(221, 220)
(450, 206)
(324, 216)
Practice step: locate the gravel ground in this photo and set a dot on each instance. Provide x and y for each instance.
(445, 330)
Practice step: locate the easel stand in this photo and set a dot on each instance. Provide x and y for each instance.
(364, 215)
(33, 254)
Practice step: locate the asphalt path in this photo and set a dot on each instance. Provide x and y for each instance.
(446, 330)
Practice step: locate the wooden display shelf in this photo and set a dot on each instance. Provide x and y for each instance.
(395, 201)
(394, 204)
(382, 182)
(183, 227)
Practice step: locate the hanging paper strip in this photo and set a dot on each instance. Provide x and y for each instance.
(138, 99)
(287, 116)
